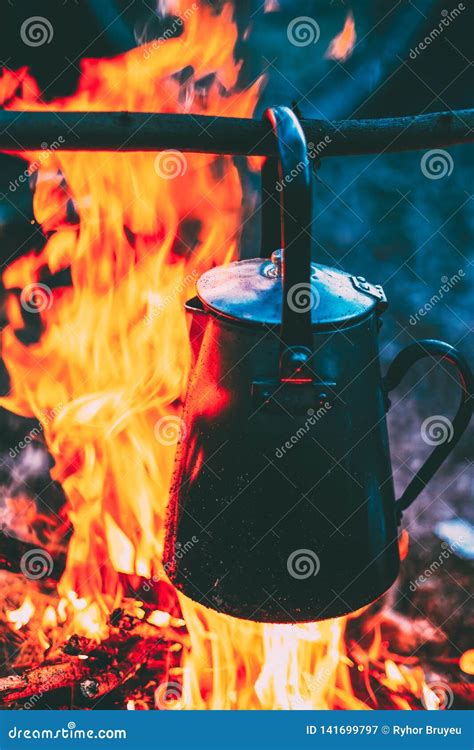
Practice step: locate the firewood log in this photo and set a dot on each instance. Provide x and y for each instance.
(80, 645)
(42, 680)
(125, 625)
(106, 680)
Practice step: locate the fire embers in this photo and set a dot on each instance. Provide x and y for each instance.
(137, 663)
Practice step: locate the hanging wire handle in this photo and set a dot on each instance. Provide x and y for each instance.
(293, 214)
(395, 374)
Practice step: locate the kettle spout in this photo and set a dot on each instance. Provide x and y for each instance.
(197, 315)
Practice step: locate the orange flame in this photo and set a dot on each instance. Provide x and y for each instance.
(136, 230)
(466, 662)
(342, 45)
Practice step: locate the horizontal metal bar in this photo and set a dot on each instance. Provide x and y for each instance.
(139, 131)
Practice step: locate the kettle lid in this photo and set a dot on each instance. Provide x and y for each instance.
(251, 291)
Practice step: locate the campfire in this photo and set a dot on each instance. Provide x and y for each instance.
(96, 346)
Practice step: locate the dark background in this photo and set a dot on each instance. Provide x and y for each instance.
(378, 216)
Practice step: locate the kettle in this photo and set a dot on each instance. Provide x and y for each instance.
(282, 505)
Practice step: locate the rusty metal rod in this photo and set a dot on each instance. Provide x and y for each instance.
(139, 131)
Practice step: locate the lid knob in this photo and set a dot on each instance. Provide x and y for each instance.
(277, 260)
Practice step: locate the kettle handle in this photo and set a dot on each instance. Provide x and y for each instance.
(449, 432)
(287, 205)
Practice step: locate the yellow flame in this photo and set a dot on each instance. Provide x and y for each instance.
(21, 616)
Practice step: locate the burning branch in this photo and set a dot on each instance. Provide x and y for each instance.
(100, 668)
(140, 131)
(109, 679)
(142, 644)
(42, 680)
(124, 625)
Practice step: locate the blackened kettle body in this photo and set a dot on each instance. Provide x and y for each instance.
(283, 480)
